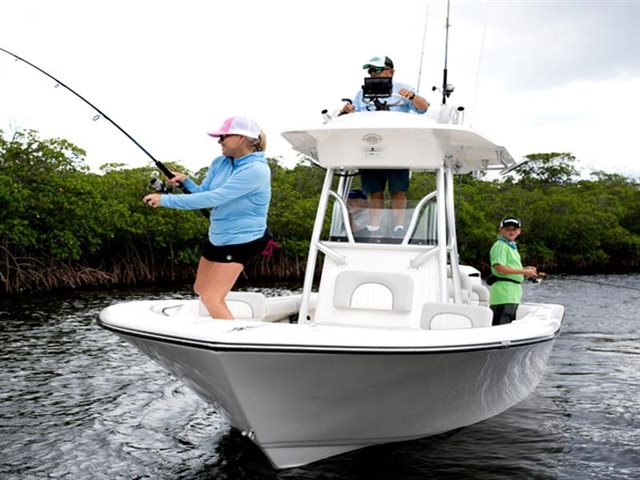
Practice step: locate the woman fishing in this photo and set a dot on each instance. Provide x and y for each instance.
(237, 188)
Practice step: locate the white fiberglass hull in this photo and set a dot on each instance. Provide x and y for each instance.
(301, 402)
(395, 344)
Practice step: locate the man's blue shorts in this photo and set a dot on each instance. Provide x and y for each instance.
(375, 180)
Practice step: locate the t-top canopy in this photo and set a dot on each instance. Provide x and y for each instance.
(384, 139)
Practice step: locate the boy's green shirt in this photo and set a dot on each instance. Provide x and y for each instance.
(505, 292)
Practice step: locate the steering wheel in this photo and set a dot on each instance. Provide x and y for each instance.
(394, 100)
(399, 100)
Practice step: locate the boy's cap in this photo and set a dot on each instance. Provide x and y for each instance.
(510, 222)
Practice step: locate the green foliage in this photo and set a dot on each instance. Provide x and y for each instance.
(83, 228)
(294, 199)
(548, 168)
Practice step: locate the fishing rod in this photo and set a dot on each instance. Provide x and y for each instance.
(447, 89)
(603, 284)
(167, 173)
(543, 276)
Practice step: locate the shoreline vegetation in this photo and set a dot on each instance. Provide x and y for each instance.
(63, 227)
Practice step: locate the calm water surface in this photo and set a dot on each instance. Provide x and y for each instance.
(76, 402)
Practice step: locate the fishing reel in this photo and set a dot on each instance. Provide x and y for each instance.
(537, 278)
(158, 184)
(447, 89)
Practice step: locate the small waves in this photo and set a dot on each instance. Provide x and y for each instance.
(76, 402)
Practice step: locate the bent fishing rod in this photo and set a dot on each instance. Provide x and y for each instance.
(158, 163)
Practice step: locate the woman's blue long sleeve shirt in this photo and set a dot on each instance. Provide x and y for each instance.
(238, 193)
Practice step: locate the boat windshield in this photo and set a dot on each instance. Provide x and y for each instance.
(419, 217)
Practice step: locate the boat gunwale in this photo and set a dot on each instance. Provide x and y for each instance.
(327, 349)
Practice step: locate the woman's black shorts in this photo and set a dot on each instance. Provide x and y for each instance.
(238, 253)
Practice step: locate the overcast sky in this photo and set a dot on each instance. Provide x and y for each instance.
(536, 76)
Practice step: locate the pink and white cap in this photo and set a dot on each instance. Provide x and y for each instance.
(238, 126)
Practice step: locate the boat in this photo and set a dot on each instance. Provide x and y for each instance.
(395, 340)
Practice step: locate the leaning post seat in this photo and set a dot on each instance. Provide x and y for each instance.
(351, 291)
(384, 292)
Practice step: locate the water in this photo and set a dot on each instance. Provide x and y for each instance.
(76, 402)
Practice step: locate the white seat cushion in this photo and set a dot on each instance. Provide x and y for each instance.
(444, 316)
(399, 285)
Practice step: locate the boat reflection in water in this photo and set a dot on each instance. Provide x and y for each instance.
(396, 343)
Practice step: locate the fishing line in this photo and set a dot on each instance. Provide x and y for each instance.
(604, 284)
(424, 38)
(100, 114)
(479, 66)
(545, 276)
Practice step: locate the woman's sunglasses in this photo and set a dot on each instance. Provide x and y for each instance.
(222, 137)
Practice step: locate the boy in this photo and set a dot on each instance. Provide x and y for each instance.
(507, 272)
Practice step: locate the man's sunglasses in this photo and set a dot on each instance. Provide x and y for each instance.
(377, 69)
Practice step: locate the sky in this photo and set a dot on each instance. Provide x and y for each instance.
(535, 76)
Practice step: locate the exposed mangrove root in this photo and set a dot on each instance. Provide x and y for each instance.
(129, 267)
(25, 274)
